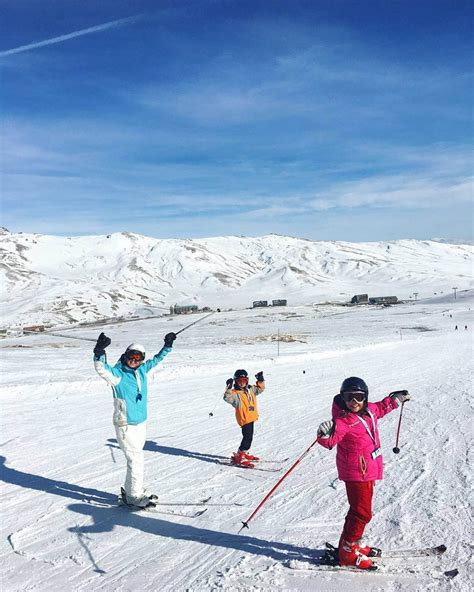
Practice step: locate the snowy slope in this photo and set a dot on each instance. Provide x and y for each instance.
(48, 279)
(61, 467)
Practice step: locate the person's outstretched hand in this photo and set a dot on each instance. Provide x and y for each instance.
(102, 342)
(169, 338)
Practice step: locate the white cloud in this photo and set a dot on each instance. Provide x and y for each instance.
(67, 36)
(401, 191)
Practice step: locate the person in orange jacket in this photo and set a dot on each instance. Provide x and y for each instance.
(243, 397)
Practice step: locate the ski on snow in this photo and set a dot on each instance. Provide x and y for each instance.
(154, 508)
(254, 465)
(155, 505)
(327, 567)
(402, 553)
(331, 553)
(250, 467)
(329, 561)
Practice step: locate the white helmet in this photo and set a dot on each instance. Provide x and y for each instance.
(136, 347)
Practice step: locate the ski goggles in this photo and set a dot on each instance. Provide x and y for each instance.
(134, 357)
(358, 396)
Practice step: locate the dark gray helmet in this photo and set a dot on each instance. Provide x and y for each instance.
(240, 372)
(354, 384)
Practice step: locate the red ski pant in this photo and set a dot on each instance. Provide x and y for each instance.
(359, 495)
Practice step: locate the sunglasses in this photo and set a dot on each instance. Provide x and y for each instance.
(134, 357)
(241, 379)
(357, 396)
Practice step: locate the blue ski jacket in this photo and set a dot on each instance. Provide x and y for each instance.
(129, 387)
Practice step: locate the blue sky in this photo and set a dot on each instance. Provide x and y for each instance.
(329, 120)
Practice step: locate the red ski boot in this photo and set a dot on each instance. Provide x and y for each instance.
(369, 551)
(350, 554)
(250, 457)
(239, 460)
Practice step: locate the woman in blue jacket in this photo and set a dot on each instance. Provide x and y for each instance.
(128, 379)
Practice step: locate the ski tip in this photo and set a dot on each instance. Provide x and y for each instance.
(452, 573)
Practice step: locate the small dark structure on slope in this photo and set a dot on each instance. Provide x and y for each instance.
(360, 299)
(383, 300)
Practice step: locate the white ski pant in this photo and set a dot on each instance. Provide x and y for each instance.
(131, 439)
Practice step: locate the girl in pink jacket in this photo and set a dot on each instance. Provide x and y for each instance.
(353, 429)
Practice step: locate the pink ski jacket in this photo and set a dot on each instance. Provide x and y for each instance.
(357, 437)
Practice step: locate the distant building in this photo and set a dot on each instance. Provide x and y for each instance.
(360, 299)
(34, 329)
(183, 309)
(383, 300)
(278, 302)
(260, 303)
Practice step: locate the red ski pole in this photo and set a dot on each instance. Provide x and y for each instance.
(397, 449)
(246, 523)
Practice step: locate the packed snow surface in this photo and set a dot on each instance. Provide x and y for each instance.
(50, 279)
(62, 470)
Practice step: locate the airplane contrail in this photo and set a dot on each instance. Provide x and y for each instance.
(61, 38)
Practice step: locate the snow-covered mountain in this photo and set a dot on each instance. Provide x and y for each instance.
(50, 279)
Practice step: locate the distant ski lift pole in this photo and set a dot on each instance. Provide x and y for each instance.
(198, 321)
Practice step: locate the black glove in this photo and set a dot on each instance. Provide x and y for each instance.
(259, 376)
(169, 338)
(401, 396)
(229, 382)
(102, 342)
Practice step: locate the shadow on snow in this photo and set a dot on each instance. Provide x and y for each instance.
(105, 520)
(53, 486)
(151, 446)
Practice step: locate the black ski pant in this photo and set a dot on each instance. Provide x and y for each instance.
(247, 437)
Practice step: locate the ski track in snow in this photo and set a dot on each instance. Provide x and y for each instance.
(61, 468)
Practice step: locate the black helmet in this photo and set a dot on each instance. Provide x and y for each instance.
(239, 373)
(354, 384)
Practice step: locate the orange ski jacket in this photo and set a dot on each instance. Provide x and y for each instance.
(245, 402)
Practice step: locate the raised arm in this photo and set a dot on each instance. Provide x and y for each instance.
(110, 374)
(390, 403)
(164, 351)
(260, 386)
(230, 396)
